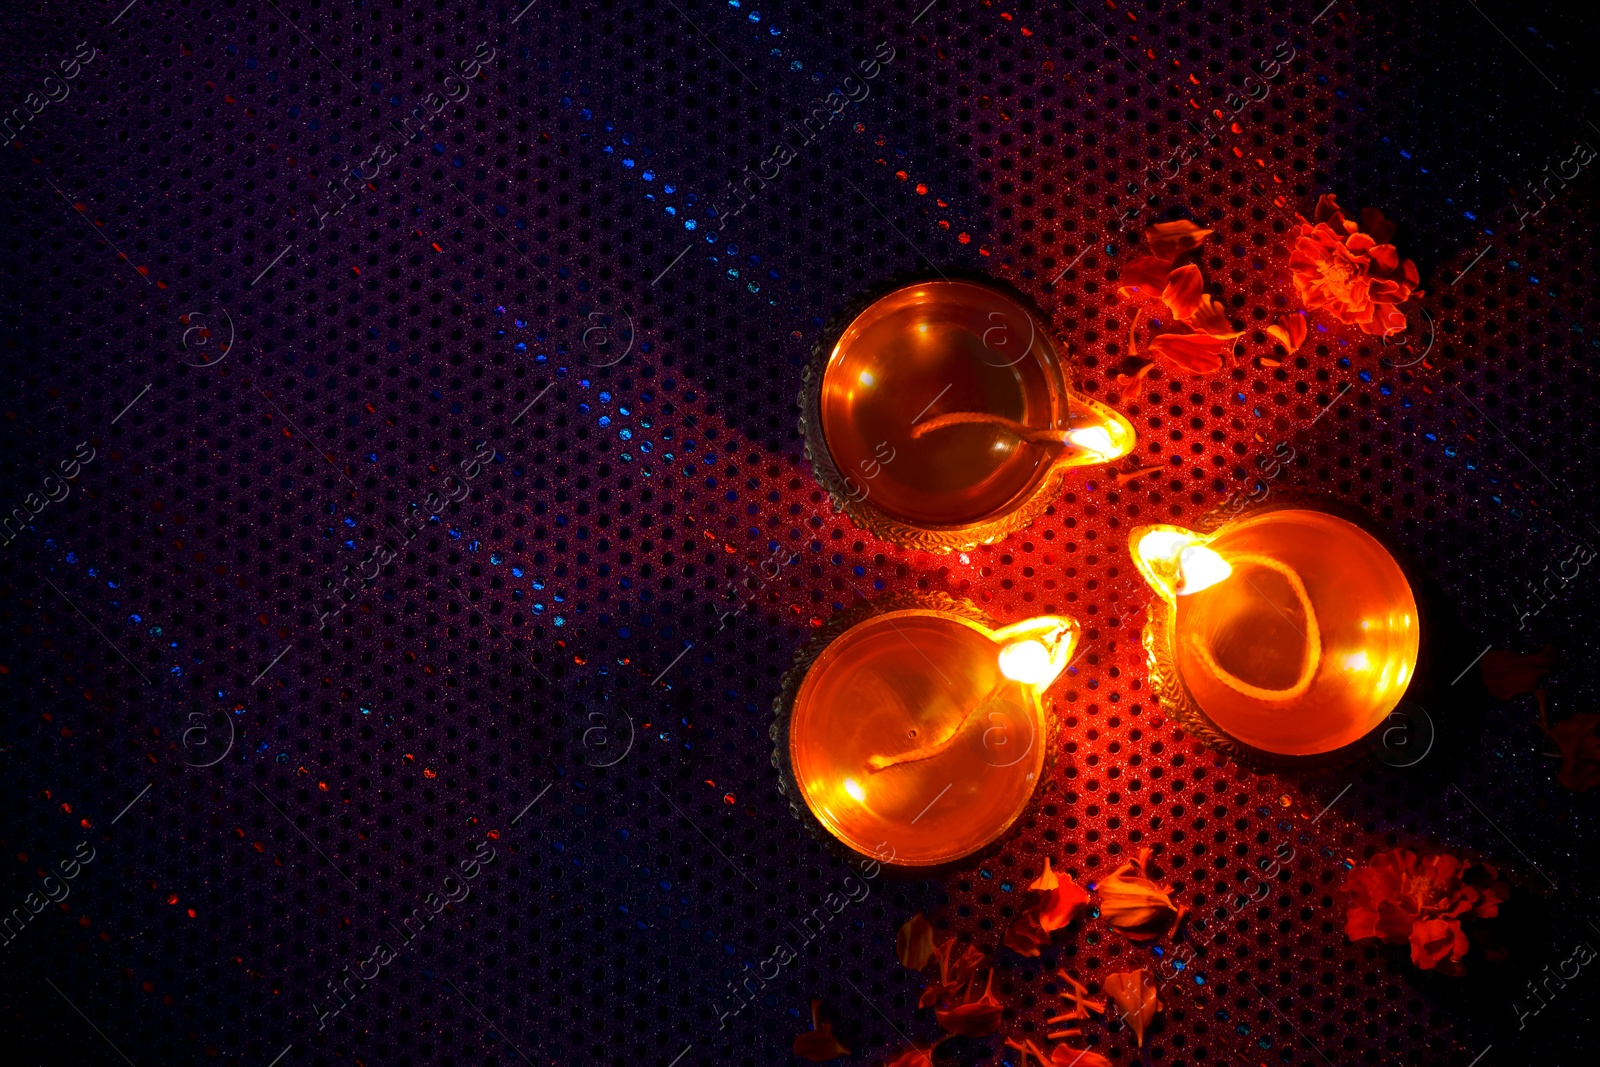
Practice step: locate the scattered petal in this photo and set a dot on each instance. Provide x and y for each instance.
(1135, 994)
(1136, 905)
(818, 1043)
(1196, 353)
(1290, 332)
(1169, 240)
(1510, 674)
(1060, 900)
(913, 946)
(1210, 317)
(977, 1017)
(1578, 738)
(1185, 286)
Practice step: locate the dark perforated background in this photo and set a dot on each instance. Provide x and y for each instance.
(514, 645)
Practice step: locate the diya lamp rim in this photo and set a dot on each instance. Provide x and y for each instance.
(1028, 504)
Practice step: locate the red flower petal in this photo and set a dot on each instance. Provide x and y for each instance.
(1169, 240)
(1026, 935)
(1289, 332)
(913, 945)
(1197, 353)
(1060, 900)
(1185, 286)
(1373, 222)
(1147, 272)
(818, 1043)
(1386, 257)
(1508, 674)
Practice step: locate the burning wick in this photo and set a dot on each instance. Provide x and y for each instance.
(1027, 662)
(1095, 439)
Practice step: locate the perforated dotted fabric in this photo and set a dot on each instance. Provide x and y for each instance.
(537, 348)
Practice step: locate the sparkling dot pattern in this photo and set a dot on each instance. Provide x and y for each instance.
(414, 525)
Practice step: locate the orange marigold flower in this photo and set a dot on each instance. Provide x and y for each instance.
(1421, 902)
(1351, 270)
(818, 1043)
(1136, 905)
(913, 945)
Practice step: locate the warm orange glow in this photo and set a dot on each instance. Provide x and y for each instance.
(1274, 626)
(923, 731)
(1026, 661)
(961, 384)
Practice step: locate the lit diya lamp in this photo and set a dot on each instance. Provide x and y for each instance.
(1290, 631)
(942, 417)
(916, 736)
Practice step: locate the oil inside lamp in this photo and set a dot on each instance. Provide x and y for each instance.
(1293, 631)
(919, 733)
(943, 416)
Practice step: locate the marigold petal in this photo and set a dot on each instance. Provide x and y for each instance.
(1385, 256)
(913, 945)
(1196, 353)
(818, 1043)
(1027, 935)
(1135, 994)
(1048, 880)
(1185, 286)
(1132, 902)
(1509, 674)
(1062, 1056)
(1437, 941)
(1169, 240)
(1148, 273)
(1360, 923)
(1212, 318)
(912, 1057)
(1578, 739)
(1373, 222)
(1395, 920)
(1291, 331)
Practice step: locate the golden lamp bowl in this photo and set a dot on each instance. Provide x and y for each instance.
(917, 736)
(1292, 631)
(942, 417)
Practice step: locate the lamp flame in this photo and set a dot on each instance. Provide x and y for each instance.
(1096, 439)
(1179, 562)
(1027, 662)
(1200, 568)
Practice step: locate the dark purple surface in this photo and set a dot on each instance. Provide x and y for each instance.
(515, 645)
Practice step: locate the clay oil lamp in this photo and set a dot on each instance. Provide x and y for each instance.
(943, 417)
(1289, 630)
(916, 736)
